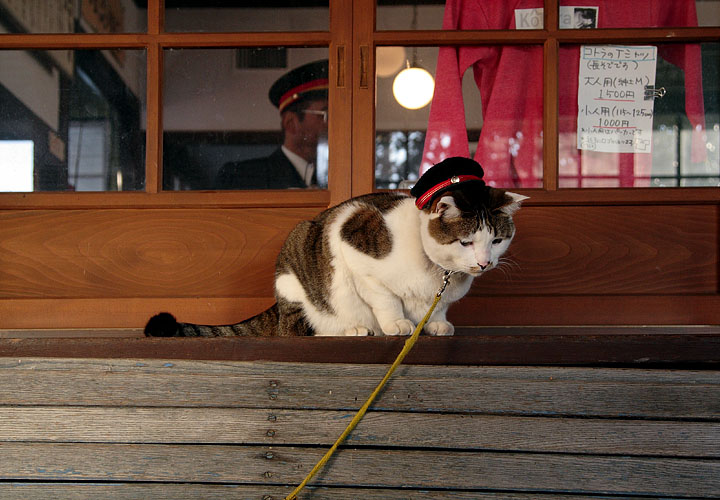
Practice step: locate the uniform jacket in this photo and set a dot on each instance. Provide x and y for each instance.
(272, 172)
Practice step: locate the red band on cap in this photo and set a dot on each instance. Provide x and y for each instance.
(293, 94)
(427, 196)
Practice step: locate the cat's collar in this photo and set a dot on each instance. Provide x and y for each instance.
(423, 199)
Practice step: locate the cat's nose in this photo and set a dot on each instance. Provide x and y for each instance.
(483, 266)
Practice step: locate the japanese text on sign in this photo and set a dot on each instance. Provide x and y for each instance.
(613, 114)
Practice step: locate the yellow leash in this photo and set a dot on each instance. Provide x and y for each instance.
(409, 343)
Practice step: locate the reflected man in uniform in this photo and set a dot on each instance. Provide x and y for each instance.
(301, 96)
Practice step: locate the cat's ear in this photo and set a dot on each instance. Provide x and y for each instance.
(511, 203)
(446, 207)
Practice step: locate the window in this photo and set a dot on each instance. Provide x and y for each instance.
(494, 93)
(120, 115)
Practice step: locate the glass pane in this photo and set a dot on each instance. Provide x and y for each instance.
(487, 104)
(611, 135)
(72, 16)
(72, 120)
(399, 14)
(245, 118)
(637, 13)
(404, 15)
(247, 16)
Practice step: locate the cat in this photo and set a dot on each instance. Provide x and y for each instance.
(373, 264)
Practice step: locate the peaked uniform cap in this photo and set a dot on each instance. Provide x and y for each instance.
(446, 176)
(300, 82)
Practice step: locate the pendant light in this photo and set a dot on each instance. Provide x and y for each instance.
(413, 87)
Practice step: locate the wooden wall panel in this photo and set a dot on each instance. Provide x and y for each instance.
(601, 250)
(142, 253)
(114, 268)
(125, 313)
(558, 310)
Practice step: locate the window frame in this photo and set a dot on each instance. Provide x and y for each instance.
(351, 40)
(551, 37)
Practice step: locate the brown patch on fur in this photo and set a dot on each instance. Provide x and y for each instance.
(306, 254)
(382, 201)
(446, 230)
(366, 231)
(479, 208)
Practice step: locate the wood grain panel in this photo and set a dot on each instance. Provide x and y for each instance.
(142, 253)
(587, 310)
(494, 310)
(569, 265)
(130, 491)
(222, 429)
(522, 392)
(610, 250)
(364, 468)
(407, 430)
(688, 348)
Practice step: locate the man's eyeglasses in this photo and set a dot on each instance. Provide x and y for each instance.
(321, 112)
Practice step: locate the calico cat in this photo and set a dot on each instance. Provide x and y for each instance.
(373, 264)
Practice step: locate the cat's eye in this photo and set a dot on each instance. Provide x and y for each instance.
(466, 243)
(497, 241)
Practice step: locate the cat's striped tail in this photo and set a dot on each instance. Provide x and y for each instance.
(165, 325)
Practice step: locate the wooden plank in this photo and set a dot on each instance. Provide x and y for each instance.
(512, 391)
(361, 468)
(610, 250)
(610, 310)
(472, 311)
(130, 491)
(340, 96)
(270, 370)
(142, 253)
(529, 332)
(126, 312)
(377, 429)
(63, 333)
(268, 198)
(515, 348)
(364, 98)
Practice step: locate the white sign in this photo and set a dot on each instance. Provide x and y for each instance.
(613, 114)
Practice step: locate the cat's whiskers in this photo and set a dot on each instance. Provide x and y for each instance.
(507, 266)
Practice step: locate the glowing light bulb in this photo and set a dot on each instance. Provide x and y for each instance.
(413, 88)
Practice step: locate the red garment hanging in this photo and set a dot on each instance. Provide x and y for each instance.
(509, 79)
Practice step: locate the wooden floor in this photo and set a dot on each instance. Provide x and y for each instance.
(181, 429)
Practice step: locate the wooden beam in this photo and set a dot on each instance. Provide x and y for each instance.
(694, 349)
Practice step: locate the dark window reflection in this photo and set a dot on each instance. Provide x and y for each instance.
(71, 126)
(245, 128)
(73, 16)
(248, 15)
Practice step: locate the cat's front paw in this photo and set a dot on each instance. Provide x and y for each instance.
(439, 328)
(398, 327)
(358, 331)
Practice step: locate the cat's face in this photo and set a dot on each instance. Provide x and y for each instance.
(469, 233)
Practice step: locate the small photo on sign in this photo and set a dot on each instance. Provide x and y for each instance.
(584, 17)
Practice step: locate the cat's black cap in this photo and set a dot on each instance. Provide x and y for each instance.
(446, 176)
(307, 80)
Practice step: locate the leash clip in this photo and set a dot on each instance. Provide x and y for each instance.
(446, 280)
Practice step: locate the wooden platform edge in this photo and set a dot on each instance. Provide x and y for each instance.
(690, 350)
